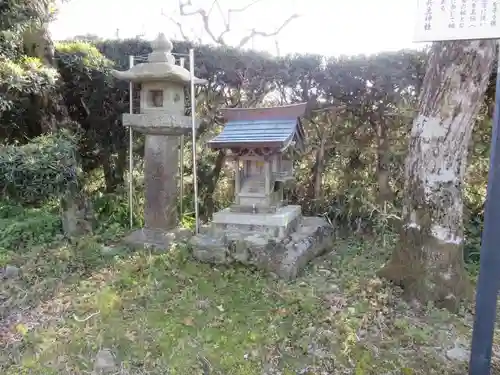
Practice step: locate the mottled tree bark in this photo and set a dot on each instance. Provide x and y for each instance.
(428, 261)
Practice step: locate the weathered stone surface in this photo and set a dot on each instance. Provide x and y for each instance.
(159, 122)
(161, 118)
(158, 239)
(110, 250)
(278, 224)
(159, 67)
(284, 257)
(161, 164)
(210, 249)
(104, 362)
(458, 354)
(77, 215)
(11, 272)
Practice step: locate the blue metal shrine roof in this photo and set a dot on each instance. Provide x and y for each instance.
(275, 133)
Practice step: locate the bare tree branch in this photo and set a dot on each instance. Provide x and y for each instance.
(255, 33)
(226, 16)
(243, 8)
(238, 10)
(215, 2)
(178, 24)
(205, 17)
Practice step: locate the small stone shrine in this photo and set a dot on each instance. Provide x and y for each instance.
(162, 120)
(260, 228)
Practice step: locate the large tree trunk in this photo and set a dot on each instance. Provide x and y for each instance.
(428, 261)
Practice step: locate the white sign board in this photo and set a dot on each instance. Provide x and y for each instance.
(457, 20)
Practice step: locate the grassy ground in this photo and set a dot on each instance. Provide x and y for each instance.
(166, 314)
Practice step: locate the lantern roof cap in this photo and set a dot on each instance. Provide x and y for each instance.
(160, 66)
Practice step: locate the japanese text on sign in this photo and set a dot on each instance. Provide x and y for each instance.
(456, 20)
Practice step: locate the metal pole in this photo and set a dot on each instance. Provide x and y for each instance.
(182, 62)
(488, 281)
(193, 129)
(131, 152)
(181, 174)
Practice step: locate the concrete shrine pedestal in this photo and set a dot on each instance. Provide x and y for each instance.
(283, 250)
(278, 224)
(162, 120)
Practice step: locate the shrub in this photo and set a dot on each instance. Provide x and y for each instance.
(29, 227)
(42, 169)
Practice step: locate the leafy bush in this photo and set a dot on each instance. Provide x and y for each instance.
(86, 54)
(27, 76)
(23, 228)
(42, 169)
(94, 101)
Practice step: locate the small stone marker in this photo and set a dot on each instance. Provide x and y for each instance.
(104, 362)
(458, 354)
(11, 272)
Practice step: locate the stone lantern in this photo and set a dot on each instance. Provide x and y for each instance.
(162, 120)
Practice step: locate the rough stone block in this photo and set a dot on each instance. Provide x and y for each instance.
(77, 215)
(158, 239)
(285, 257)
(210, 249)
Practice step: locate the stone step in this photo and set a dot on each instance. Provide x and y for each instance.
(234, 232)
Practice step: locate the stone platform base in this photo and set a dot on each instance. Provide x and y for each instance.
(161, 240)
(284, 257)
(279, 224)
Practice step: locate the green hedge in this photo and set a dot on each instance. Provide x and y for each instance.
(43, 169)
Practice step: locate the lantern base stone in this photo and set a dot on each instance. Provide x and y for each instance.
(158, 239)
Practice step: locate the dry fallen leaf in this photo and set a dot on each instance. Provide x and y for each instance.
(22, 329)
(335, 302)
(130, 335)
(282, 312)
(188, 321)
